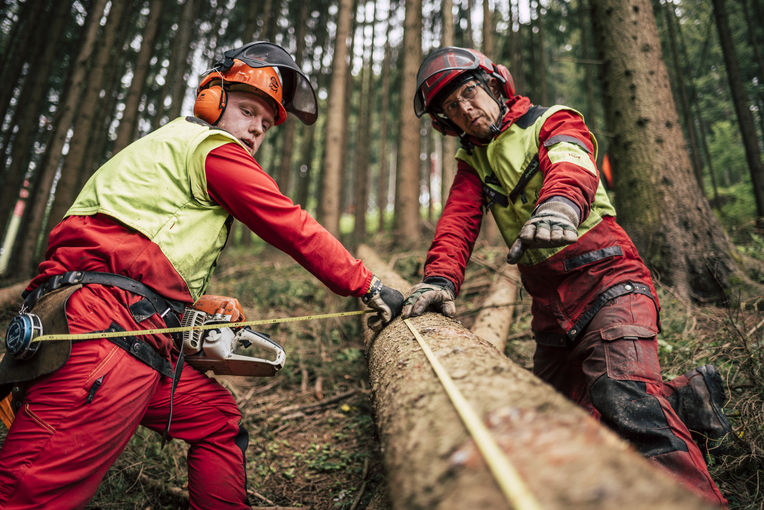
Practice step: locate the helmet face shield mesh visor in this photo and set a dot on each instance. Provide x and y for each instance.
(299, 96)
(437, 70)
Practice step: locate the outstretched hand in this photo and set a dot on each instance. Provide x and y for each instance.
(554, 223)
(434, 294)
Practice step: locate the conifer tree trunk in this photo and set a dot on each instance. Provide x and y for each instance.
(27, 113)
(407, 221)
(384, 158)
(487, 29)
(449, 142)
(26, 35)
(347, 181)
(583, 25)
(657, 197)
(362, 170)
(178, 75)
(515, 45)
(679, 73)
(329, 201)
(64, 117)
(744, 117)
(87, 115)
(288, 130)
(129, 123)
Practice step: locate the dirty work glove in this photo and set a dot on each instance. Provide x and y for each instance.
(385, 300)
(435, 294)
(553, 223)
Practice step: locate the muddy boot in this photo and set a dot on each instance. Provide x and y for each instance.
(698, 399)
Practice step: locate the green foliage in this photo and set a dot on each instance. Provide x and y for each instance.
(726, 148)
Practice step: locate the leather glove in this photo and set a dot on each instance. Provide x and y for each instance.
(553, 223)
(435, 293)
(385, 300)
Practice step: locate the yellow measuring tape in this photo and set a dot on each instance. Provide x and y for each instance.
(179, 329)
(503, 471)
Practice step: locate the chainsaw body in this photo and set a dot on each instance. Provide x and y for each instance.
(215, 349)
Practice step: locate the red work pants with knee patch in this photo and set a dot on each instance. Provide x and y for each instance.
(74, 423)
(613, 372)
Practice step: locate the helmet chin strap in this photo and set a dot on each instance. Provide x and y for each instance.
(494, 128)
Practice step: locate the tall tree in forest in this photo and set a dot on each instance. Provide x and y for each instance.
(362, 168)
(657, 196)
(681, 91)
(515, 46)
(178, 73)
(744, 117)
(539, 52)
(407, 219)
(288, 130)
(584, 24)
(67, 107)
(488, 29)
(82, 129)
(129, 123)
(383, 181)
(26, 35)
(448, 164)
(27, 114)
(347, 149)
(329, 203)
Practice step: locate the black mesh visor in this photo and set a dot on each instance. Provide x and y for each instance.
(299, 96)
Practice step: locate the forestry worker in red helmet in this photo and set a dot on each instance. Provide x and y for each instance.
(139, 244)
(595, 310)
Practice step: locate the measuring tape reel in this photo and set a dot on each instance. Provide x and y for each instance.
(21, 331)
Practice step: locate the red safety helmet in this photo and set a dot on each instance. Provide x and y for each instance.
(445, 69)
(267, 69)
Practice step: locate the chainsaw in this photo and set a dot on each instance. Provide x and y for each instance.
(215, 349)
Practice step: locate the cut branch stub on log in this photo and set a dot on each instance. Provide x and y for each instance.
(566, 458)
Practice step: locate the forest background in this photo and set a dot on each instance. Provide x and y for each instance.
(671, 89)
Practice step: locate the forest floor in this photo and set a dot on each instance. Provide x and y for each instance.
(313, 442)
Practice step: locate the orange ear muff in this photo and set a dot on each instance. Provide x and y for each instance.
(210, 104)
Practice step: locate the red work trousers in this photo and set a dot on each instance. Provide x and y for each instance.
(74, 423)
(613, 372)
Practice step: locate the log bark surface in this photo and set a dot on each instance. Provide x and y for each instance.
(567, 459)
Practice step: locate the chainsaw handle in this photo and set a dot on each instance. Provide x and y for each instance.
(264, 342)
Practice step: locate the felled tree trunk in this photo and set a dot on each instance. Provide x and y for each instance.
(493, 321)
(566, 458)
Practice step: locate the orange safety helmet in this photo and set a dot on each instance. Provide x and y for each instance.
(212, 93)
(445, 69)
(264, 68)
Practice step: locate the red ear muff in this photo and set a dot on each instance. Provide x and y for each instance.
(210, 104)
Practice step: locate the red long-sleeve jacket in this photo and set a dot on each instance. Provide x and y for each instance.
(564, 286)
(237, 183)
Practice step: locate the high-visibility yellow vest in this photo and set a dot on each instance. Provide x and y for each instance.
(157, 186)
(508, 168)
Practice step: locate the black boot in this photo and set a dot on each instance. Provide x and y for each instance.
(699, 405)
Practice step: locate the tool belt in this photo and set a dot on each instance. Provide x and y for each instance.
(48, 301)
(570, 338)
